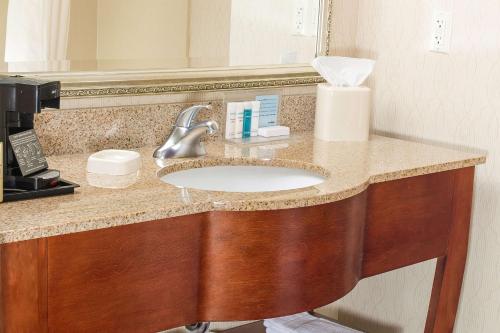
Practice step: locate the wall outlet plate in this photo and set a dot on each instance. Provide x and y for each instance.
(299, 22)
(441, 32)
(306, 18)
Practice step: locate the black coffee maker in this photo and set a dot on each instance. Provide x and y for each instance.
(26, 174)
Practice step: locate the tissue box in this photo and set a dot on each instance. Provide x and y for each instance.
(342, 113)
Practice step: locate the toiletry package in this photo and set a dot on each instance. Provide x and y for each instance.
(247, 114)
(242, 120)
(269, 107)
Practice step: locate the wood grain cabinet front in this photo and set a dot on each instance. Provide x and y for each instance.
(225, 266)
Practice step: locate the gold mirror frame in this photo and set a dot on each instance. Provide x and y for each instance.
(133, 83)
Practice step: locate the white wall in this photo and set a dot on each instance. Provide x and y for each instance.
(262, 32)
(453, 99)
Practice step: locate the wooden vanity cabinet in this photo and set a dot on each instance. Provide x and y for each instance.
(225, 266)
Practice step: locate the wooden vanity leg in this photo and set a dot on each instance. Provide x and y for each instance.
(450, 268)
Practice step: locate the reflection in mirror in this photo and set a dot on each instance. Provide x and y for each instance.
(99, 35)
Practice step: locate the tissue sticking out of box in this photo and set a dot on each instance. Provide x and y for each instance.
(342, 71)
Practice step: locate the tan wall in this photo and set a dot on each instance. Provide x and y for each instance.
(3, 25)
(128, 34)
(344, 27)
(82, 44)
(453, 99)
(210, 24)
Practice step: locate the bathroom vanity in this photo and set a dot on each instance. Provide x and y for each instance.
(154, 256)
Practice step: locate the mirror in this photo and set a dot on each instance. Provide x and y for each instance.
(122, 35)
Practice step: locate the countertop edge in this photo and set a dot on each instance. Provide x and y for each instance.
(17, 235)
(426, 170)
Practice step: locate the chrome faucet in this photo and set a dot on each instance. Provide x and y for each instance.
(184, 140)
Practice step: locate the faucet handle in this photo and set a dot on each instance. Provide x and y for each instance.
(186, 117)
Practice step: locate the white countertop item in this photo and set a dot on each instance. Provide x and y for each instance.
(272, 131)
(342, 113)
(114, 162)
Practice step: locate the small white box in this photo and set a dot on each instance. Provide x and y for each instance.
(114, 162)
(272, 131)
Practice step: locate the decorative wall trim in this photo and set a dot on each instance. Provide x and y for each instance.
(183, 86)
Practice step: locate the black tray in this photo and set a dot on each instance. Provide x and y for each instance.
(64, 187)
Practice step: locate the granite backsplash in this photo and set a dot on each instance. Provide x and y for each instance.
(86, 130)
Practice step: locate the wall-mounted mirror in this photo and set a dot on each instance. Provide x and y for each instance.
(121, 35)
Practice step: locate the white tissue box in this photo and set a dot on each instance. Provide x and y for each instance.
(342, 113)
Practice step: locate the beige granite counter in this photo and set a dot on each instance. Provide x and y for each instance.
(349, 167)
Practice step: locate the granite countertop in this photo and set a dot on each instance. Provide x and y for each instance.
(349, 167)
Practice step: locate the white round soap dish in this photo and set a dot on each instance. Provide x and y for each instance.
(114, 162)
(113, 168)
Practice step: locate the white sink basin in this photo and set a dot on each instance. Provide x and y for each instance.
(243, 178)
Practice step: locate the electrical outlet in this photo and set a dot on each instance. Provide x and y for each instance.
(306, 18)
(299, 24)
(441, 32)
